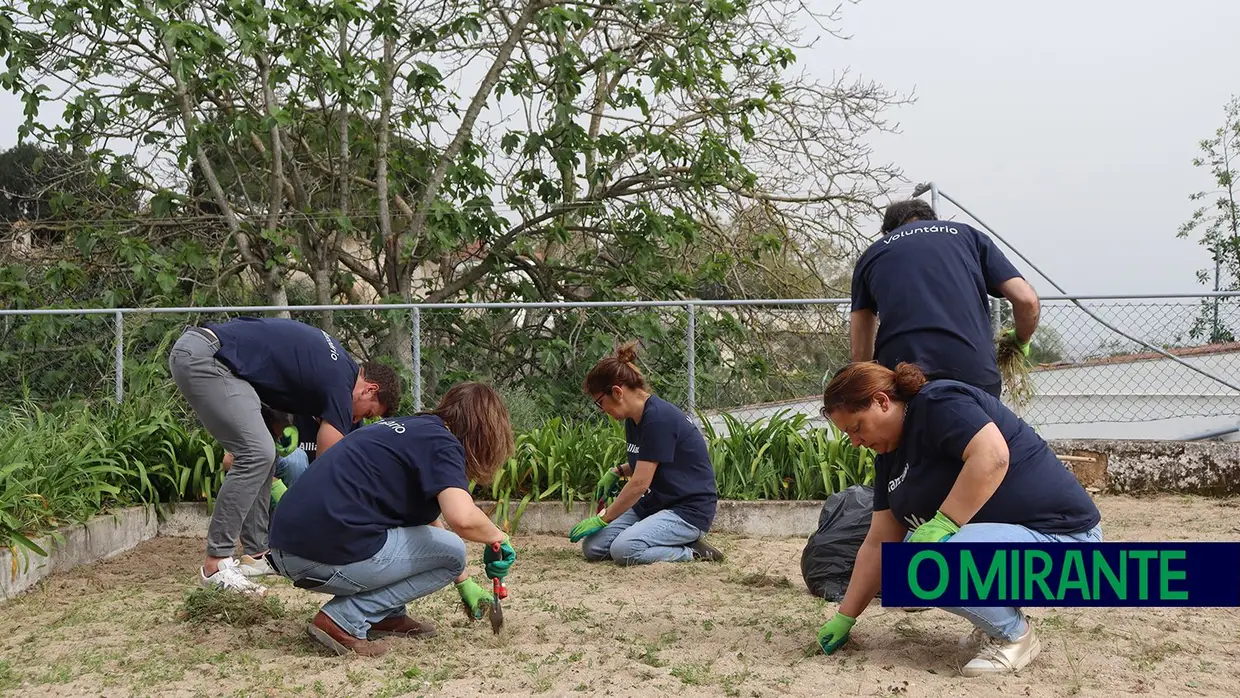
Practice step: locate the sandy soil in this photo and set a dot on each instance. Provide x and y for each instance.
(741, 628)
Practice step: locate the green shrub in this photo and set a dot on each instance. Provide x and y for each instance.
(63, 463)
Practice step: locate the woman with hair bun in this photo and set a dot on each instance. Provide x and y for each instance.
(954, 466)
(668, 504)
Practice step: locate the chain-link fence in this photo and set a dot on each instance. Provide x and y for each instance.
(743, 360)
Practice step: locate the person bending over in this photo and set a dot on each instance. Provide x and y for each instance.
(363, 524)
(226, 372)
(954, 465)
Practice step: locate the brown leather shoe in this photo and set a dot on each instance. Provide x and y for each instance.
(402, 626)
(325, 631)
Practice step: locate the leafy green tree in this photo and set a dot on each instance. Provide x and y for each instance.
(451, 151)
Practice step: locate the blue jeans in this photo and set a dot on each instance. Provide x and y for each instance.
(414, 562)
(290, 468)
(1006, 622)
(661, 537)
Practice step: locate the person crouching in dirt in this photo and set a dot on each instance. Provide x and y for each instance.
(362, 524)
(669, 502)
(955, 466)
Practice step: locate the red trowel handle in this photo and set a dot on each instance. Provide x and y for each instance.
(498, 587)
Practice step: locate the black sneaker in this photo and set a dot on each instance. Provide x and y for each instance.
(703, 551)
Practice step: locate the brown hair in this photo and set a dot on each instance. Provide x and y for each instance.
(853, 388)
(617, 369)
(389, 385)
(478, 418)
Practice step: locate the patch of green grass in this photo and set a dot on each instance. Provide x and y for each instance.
(761, 580)
(57, 672)
(692, 674)
(1150, 654)
(203, 606)
(396, 686)
(8, 678)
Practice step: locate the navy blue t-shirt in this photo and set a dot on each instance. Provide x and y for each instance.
(928, 281)
(1037, 492)
(293, 367)
(685, 480)
(385, 475)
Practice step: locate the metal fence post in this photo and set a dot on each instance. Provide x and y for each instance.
(690, 337)
(417, 359)
(120, 357)
(996, 314)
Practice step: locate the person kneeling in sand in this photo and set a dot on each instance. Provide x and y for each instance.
(363, 524)
(669, 502)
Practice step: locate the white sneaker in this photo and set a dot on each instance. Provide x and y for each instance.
(229, 578)
(1002, 657)
(254, 566)
(972, 640)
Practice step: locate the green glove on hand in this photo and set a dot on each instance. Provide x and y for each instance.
(288, 443)
(936, 530)
(475, 599)
(834, 632)
(606, 485)
(594, 524)
(498, 563)
(1009, 336)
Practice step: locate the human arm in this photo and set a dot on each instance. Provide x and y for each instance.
(327, 437)
(866, 578)
(865, 581)
(466, 519)
(863, 331)
(863, 321)
(965, 432)
(985, 465)
(1026, 309)
(632, 491)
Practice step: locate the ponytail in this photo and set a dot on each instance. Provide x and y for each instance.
(853, 388)
(618, 369)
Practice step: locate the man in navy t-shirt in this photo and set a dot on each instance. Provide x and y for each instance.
(226, 372)
(924, 287)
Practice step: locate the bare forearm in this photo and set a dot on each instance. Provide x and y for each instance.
(1025, 319)
(866, 579)
(863, 332)
(625, 500)
(976, 483)
(478, 528)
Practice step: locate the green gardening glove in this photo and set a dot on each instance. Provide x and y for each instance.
(936, 530)
(498, 562)
(594, 524)
(1009, 337)
(474, 598)
(834, 632)
(287, 443)
(606, 485)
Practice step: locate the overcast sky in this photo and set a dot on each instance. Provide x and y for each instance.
(1068, 126)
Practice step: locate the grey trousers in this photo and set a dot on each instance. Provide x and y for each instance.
(230, 411)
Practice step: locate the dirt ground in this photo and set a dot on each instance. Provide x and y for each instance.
(741, 628)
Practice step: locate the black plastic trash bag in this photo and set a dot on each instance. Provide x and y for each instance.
(828, 557)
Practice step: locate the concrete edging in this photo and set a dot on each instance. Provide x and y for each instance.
(757, 518)
(1121, 467)
(100, 538)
